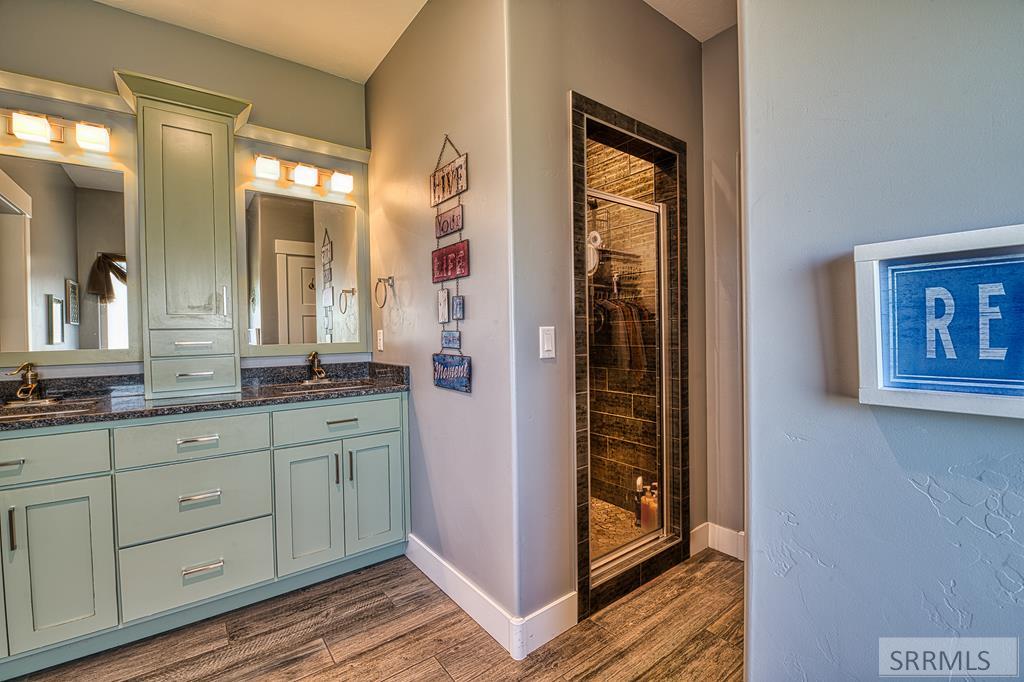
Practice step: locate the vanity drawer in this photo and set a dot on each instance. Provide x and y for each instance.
(332, 421)
(188, 342)
(171, 573)
(184, 374)
(162, 502)
(157, 443)
(24, 460)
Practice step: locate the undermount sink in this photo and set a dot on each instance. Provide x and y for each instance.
(19, 414)
(317, 386)
(55, 405)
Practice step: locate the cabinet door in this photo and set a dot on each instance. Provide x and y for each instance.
(310, 515)
(373, 491)
(187, 185)
(58, 549)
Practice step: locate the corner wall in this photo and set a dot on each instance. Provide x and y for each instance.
(867, 121)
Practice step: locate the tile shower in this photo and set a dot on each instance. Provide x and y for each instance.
(629, 237)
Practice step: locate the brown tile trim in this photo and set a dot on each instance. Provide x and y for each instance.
(669, 156)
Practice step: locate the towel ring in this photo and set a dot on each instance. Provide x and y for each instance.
(388, 282)
(343, 300)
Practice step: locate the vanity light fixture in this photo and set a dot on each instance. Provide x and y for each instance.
(30, 127)
(341, 182)
(304, 175)
(267, 167)
(92, 137)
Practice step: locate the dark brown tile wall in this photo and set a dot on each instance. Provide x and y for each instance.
(649, 165)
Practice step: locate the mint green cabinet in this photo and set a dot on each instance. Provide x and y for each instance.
(373, 491)
(309, 508)
(58, 561)
(187, 199)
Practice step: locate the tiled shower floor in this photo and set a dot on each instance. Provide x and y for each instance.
(611, 527)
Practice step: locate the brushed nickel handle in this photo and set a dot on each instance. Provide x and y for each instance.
(212, 438)
(212, 566)
(337, 469)
(190, 344)
(13, 463)
(11, 529)
(184, 375)
(351, 468)
(224, 299)
(197, 497)
(335, 422)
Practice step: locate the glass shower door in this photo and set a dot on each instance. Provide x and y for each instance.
(626, 321)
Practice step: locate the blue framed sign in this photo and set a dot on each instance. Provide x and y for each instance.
(454, 372)
(941, 322)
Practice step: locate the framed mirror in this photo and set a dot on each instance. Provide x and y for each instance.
(68, 286)
(304, 266)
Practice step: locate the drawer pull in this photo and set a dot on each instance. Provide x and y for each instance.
(198, 440)
(191, 344)
(198, 497)
(13, 463)
(213, 566)
(337, 469)
(336, 422)
(192, 375)
(11, 529)
(351, 468)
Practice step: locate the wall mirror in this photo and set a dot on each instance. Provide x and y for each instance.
(64, 259)
(303, 262)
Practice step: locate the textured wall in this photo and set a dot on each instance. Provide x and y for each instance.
(867, 121)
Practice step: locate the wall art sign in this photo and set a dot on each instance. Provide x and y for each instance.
(451, 262)
(941, 322)
(443, 309)
(450, 180)
(458, 307)
(448, 222)
(451, 340)
(454, 372)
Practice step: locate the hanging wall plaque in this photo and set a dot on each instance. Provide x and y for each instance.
(450, 180)
(458, 307)
(451, 340)
(443, 314)
(451, 262)
(454, 372)
(448, 222)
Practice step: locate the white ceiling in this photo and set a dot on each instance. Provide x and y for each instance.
(347, 38)
(702, 19)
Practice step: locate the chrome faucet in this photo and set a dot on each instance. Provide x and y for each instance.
(30, 389)
(316, 372)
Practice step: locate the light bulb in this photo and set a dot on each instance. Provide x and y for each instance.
(267, 168)
(30, 127)
(304, 175)
(93, 137)
(341, 182)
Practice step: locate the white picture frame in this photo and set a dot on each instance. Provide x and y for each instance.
(868, 259)
(443, 306)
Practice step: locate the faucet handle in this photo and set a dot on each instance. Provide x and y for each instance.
(26, 368)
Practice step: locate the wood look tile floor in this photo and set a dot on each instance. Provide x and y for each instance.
(388, 622)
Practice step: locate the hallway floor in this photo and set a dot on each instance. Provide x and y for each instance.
(388, 622)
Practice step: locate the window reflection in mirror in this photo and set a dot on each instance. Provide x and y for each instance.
(302, 262)
(62, 240)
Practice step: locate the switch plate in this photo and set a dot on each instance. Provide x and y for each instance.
(547, 343)
(380, 340)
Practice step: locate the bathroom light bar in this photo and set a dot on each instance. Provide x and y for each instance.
(32, 127)
(302, 174)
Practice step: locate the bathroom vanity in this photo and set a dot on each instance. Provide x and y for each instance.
(175, 238)
(123, 518)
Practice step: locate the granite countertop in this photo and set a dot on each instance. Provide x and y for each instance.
(89, 400)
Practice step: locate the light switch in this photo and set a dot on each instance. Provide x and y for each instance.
(547, 342)
(380, 340)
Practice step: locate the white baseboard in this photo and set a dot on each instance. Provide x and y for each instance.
(519, 635)
(725, 540)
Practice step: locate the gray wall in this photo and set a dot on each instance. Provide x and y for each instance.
(53, 239)
(629, 57)
(100, 216)
(720, 95)
(462, 445)
(82, 42)
(864, 121)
